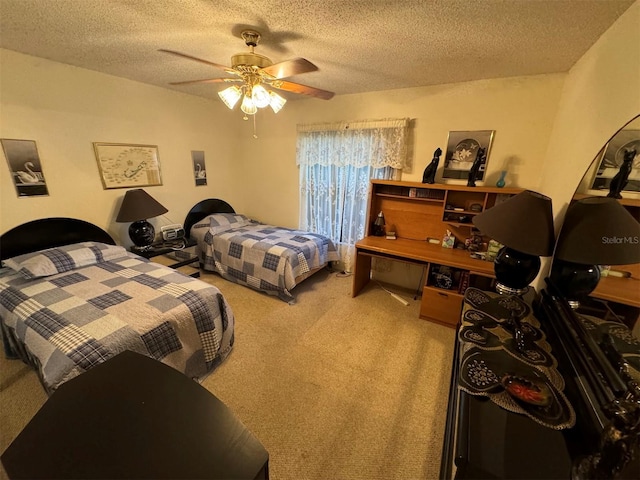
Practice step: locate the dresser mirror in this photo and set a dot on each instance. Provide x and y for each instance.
(608, 161)
(617, 294)
(598, 337)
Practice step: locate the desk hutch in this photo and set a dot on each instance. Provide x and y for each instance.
(421, 214)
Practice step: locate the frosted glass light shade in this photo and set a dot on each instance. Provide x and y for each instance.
(230, 96)
(260, 96)
(277, 102)
(248, 106)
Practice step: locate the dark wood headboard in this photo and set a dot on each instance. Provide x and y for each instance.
(204, 208)
(49, 232)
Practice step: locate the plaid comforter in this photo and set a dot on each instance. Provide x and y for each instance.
(67, 323)
(260, 256)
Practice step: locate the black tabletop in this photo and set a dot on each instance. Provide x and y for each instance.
(134, 417)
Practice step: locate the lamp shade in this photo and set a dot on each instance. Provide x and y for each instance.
(524, 223)
(599, 231)
(139, 205)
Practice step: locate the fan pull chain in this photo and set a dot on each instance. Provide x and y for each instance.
(255, 135)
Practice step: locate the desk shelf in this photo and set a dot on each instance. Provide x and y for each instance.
(417, 212)
(416, 199)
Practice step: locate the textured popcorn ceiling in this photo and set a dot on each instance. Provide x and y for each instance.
(358, 45)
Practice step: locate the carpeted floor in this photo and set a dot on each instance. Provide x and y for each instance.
(335, 387)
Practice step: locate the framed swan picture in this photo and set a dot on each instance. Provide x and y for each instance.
(199, 170)
(26, 169)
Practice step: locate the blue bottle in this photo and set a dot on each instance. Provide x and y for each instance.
(500, 183)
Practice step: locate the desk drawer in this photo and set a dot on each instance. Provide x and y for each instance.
(441, 306)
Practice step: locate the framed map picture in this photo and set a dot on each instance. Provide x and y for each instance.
(124, 165)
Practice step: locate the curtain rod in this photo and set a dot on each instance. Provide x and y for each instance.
(355, 125)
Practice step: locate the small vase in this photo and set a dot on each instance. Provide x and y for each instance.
(500, 183)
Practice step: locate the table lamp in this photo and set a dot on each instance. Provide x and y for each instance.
(524, 225)
(137, 206)
(596, 231)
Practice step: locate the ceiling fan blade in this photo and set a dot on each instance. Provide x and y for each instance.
(303, 89)
(289, 68)
(206, 62)
(206, 80)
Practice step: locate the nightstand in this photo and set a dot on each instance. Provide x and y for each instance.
(172, 257)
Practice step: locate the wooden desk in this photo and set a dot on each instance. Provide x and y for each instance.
(424, 254)
(619, 290)
(419, 212)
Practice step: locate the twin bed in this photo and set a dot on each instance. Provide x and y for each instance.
(71, 299)
(264, 257)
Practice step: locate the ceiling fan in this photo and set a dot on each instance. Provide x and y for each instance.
(253, 72)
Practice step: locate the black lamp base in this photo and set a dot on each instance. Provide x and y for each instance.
(514, 271)
(574, 280)
(142, 233)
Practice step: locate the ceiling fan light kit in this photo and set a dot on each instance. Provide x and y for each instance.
(257, 72)
(230, 96)
(277, 102)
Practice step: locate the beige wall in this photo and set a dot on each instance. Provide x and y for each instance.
(521, 111)
(548, 129)
(600, 95)
(64, 109)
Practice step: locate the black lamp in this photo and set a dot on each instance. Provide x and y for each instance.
(524, 225)
(136, 207)
(596, 231)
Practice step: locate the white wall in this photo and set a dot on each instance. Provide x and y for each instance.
(64, 109)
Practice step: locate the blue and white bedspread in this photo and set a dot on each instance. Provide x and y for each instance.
(69, 322)
(263, 257)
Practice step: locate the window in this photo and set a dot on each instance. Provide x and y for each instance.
(336, 163)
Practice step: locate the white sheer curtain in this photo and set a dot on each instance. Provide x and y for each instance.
(336, 162)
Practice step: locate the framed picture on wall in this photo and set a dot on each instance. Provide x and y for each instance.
(199, 170)
(462, 150)
(611, 159)
(26, 169)
(125, 165)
